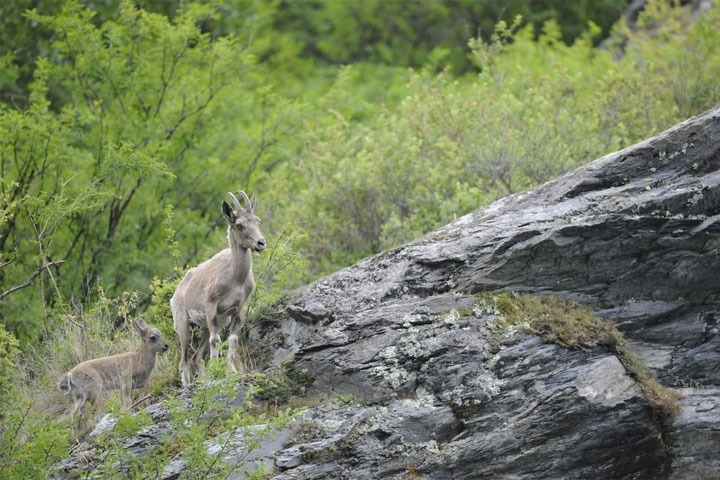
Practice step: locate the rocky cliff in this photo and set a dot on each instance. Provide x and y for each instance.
(442, 387)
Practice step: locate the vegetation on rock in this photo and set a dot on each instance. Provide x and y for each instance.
(574, 326)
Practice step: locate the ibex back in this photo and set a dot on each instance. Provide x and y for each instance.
(212, 294)
(125, 371)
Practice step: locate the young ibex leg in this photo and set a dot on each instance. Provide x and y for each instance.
(79, 405)
(214, 328)
(126, 393)
(233, 355)
(78, 413)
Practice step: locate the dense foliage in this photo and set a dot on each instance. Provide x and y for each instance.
(360, 125)
(325, 31)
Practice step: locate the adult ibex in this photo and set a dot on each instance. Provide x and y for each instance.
(212, 294)
(125, 371)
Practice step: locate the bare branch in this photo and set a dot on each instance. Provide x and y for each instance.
(140, 400)
(5, 264)
(32, 278)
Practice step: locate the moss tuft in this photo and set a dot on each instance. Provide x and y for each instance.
(572, 325)
(277, 386)
(306, 431)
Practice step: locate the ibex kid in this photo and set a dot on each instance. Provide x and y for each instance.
(125, 371)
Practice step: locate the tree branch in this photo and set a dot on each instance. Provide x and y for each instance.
(5, 264)
(32, 278)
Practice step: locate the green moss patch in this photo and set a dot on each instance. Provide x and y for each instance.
(278, 386)
(574, 326)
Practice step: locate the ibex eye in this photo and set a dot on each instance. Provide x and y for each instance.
(153, 338)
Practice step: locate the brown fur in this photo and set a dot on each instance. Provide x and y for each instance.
(125, 371)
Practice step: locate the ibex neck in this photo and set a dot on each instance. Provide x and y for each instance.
(145, 352)
(241, 260)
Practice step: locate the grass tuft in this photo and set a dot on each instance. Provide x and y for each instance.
(571, 325)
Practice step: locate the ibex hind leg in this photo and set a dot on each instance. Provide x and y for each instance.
(79, 415)
(182, 328)
(202, 350)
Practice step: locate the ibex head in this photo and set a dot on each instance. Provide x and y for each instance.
(244, 225)
(150, 336)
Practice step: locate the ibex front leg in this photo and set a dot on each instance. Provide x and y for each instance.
(213, 328)
(126, 393)
(233, 356)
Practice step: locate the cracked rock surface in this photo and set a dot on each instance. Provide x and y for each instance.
(439, 390)
(452, 395)
(635, 234)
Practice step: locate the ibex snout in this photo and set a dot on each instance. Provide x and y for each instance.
(260, 245)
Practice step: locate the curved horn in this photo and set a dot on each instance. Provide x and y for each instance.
(236, 203)
(247, 200)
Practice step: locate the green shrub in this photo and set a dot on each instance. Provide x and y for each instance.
(8, 368)
(205, 419)
(119, 110)
(31, 442)
(537, 108)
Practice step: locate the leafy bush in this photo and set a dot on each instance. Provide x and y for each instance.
(8, 368)
(538, 108)
(30, 442)
(89, 164)
(423, 32)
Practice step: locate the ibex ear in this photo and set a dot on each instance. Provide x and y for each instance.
(252, 203)
(139, 327)
(228, 213)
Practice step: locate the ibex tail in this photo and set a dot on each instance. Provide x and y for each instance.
(65, 383)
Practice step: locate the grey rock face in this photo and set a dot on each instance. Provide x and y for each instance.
(441, 391)
(695, 435)
(635, 234)
(454, 396)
